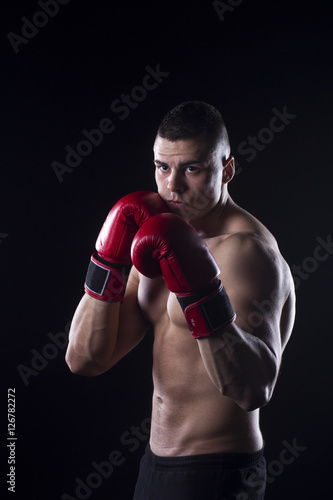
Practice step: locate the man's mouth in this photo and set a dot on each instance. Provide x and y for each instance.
(176, 203)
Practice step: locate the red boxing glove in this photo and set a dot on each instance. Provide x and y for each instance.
(109, 267)
(167, 245)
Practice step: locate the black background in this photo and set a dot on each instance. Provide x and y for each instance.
(255, 57)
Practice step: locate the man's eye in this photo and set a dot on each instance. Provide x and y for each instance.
(192, 169)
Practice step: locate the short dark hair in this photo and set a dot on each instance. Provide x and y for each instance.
(192, 119)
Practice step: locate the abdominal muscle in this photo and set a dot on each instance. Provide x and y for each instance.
(190, 416)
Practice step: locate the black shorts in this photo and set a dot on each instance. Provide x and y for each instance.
(216, 476)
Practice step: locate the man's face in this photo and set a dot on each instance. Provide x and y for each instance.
(189, 175)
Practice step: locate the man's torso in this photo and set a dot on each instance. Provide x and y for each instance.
(190, 415)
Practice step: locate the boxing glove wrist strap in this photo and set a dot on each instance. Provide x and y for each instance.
(207, 311)
(106, 280)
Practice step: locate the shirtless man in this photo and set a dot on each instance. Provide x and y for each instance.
(217, 349)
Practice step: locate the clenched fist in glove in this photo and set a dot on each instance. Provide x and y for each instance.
(109, 266)
(167, 245)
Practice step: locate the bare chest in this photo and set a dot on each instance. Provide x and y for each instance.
(190, 415)
(178, 370)
(158, 305)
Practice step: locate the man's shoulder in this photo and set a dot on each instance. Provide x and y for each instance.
(246, 233)
(242, 233)
(251, 253)
(248, 242)
(249, 248)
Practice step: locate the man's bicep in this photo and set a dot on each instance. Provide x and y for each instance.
(253, 279)
(132, 326)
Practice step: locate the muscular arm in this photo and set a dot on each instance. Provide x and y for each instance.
(243, 361)
(103, 332)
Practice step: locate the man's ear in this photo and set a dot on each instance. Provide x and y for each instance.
(228, 169)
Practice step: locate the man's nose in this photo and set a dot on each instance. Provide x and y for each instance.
(176, 182)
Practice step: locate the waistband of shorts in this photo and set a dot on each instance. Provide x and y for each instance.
(238, 460)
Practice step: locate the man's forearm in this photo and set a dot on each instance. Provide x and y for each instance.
(241, 366)
(93, 336)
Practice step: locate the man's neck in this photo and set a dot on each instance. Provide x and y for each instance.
(212, 223)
